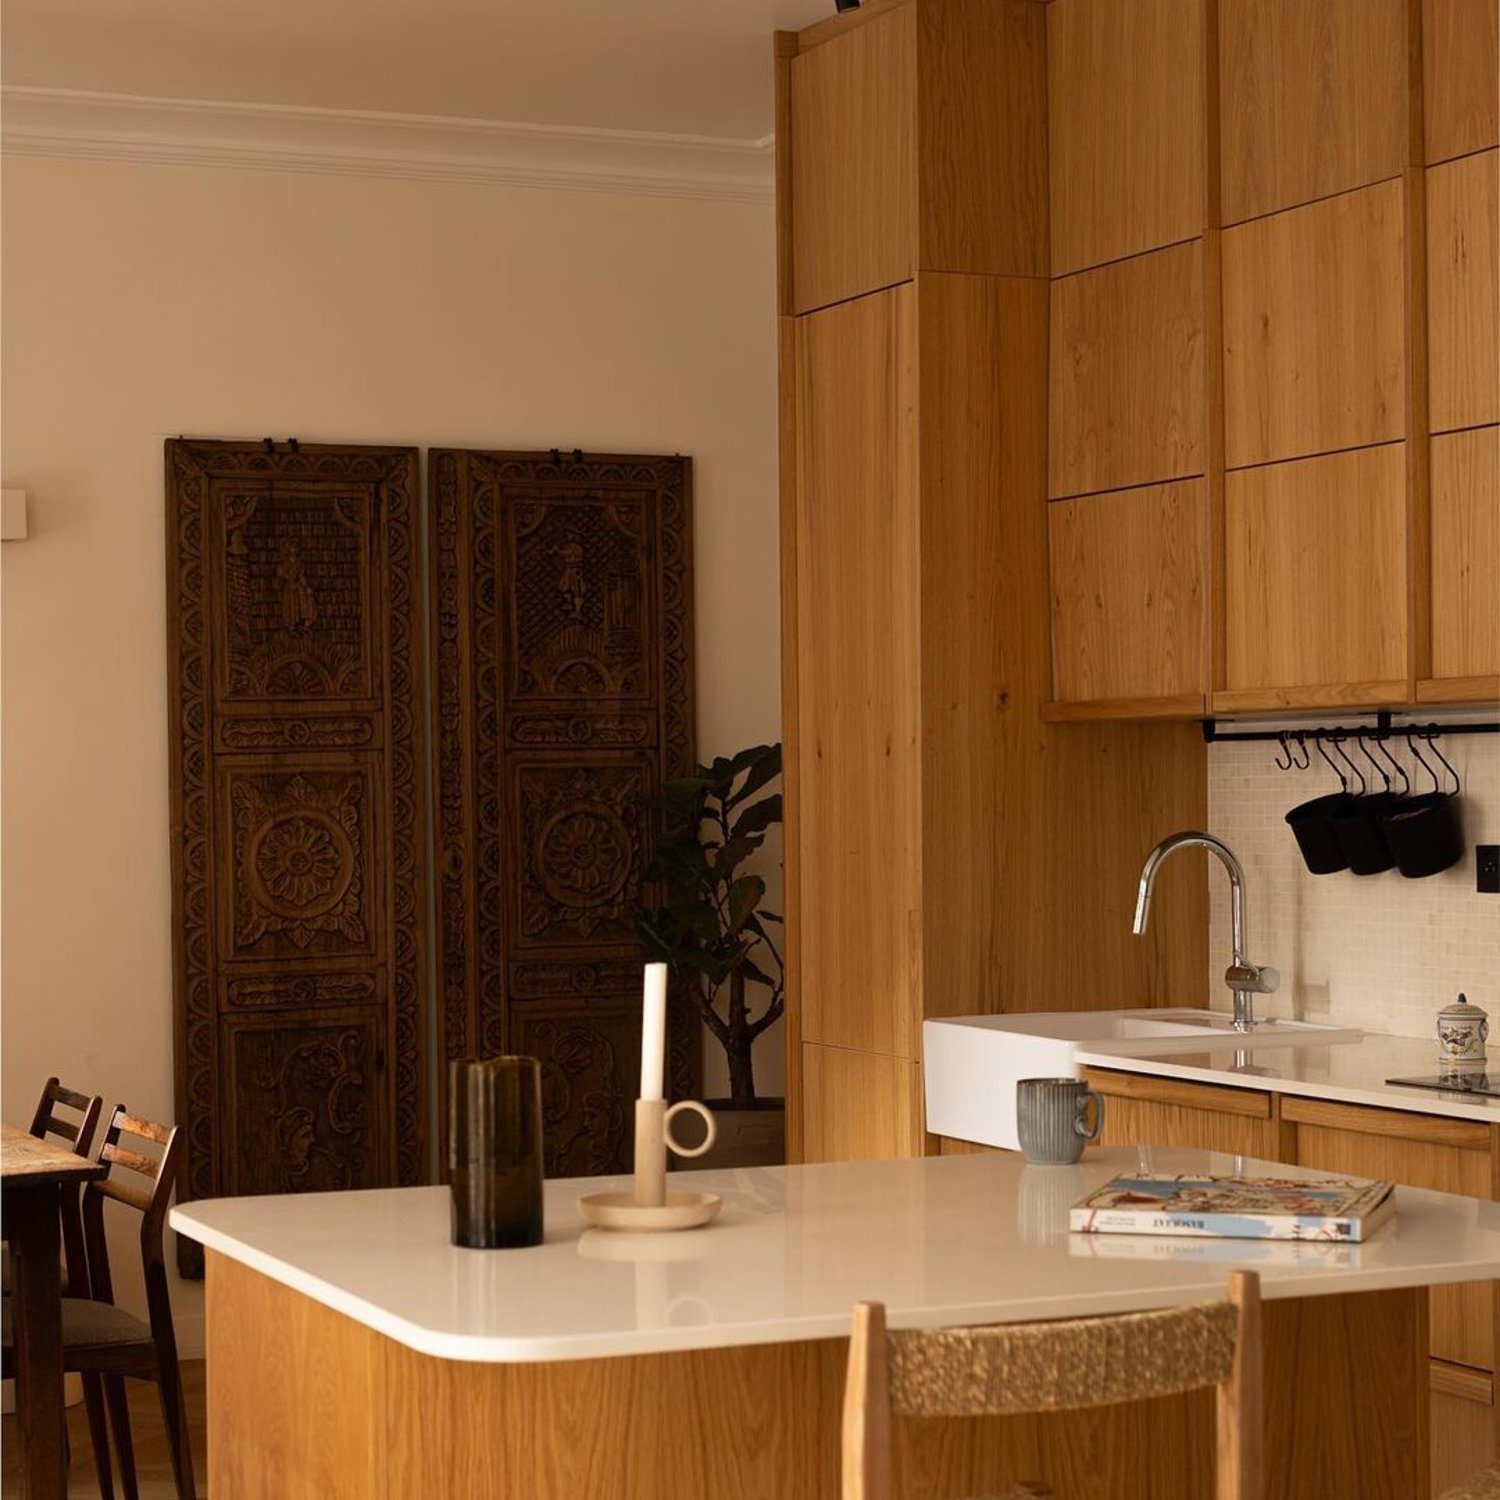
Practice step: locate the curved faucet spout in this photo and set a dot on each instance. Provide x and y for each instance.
(1243, 977)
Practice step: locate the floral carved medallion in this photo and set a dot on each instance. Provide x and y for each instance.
(297, 848)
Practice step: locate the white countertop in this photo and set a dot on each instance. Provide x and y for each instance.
(940, 1240)
(1347, 1072)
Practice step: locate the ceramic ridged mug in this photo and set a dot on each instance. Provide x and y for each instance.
(1051, 1119)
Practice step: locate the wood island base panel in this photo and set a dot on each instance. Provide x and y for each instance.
(307, 1404)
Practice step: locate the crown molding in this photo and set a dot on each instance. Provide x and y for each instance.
(289, 138)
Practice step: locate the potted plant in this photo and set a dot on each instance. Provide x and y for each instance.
(713, 930)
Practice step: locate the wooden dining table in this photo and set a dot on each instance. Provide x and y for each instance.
(34, 1174)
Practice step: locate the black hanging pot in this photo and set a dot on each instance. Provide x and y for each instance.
(1425, 832)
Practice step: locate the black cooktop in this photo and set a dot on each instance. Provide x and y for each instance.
(1455, 1083)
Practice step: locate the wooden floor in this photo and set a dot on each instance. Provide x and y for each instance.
(153, 1467)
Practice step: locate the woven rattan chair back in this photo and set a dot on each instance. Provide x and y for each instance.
(1057, 1366)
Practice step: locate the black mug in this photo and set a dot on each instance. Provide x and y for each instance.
(1313, 827)
(1425, 834)
(495, 1152)
(1360, 831)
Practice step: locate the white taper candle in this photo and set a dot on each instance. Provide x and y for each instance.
(654, 1032)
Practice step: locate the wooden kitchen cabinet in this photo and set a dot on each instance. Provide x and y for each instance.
(1142, 1110)
(1421, 1150)
(1463, 303)
(1465, 547)
(1130, 599)
(1315, 582)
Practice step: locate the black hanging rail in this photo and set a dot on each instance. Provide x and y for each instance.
(1383, 727)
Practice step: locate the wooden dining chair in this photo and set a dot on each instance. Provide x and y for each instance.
(106, 1344)
(1060, 1366)
(79, 1135)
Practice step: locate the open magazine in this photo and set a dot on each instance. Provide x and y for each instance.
(1341, 1209)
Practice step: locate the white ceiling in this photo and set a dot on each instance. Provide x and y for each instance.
(700, 67)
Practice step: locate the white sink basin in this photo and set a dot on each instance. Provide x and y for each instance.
(971, 1063)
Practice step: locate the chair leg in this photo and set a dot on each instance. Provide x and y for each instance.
(174, 1414)
(119, 1420)
(93, 1402)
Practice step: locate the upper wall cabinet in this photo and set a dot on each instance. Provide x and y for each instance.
(1125, 116)
(1465, 548)
(1127, 394)
(1463, 303)
(1461, 94)
(1315, 582)
(1129, 595)
(1313, 97)
(918, 142)
(1314, 328)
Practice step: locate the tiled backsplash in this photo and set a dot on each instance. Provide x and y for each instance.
(1377, 951)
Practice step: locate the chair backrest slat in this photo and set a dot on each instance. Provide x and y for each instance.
(1065, 1365)
(150, 1202)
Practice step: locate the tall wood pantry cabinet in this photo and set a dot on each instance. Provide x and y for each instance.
(948, 851)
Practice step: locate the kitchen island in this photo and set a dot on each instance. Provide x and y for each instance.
(354, 1352)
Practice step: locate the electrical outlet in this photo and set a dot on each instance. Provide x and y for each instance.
(1487, 865)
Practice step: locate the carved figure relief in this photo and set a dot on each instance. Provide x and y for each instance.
(294, 620)
(563, 686)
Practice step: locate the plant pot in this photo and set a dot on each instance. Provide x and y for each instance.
(747, 1137)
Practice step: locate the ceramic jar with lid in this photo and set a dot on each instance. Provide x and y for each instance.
(1462, 1032)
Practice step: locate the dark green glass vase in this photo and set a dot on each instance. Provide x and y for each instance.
(495, 1152)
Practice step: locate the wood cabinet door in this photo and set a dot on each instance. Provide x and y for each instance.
(1140, 1110)
(562, 621)
(297, 837)
(858, 712)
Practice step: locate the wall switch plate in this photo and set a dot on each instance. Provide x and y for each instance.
(1487, 867)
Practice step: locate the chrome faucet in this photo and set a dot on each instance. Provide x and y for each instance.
(1246, 979)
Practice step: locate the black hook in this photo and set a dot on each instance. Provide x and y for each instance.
(1431, 736)
(1338, 745)
(1411, 745)
(1380, 770)
(1306, 760)
(1381, 744)
(1332, 764)
(1286, 750)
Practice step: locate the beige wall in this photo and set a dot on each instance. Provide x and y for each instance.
(141, 302)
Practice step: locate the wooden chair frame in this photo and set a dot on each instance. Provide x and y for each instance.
(869, 1404)
(80, 1137)
(107, 1365)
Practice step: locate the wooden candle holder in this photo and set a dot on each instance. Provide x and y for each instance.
(649, 1206)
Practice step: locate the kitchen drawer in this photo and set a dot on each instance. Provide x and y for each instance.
(1144, 1111)
(1426, 1151)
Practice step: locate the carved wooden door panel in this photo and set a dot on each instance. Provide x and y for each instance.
(294, 639)
(562, 615)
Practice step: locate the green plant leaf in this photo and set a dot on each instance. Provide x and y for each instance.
(763, 766)
(758, 816)
(743, 895)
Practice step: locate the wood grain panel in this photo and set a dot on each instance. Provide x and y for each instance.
(1314, 329)
(296, 1393)
(859, 775)
(1313, 99)
(1463, 1429)
(1461, 98)
(1145, 1111)
(1127, 388)
(982, 137)
(1000, 789)
(854, 161)
(859, 1106)
(1125, 116)
(1130, 593)
(1463, 292)
(1374, 1143)
(350, 1413)
(1466, 553)
(1315, 572)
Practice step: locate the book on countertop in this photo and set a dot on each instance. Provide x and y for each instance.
(1345, 1210)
